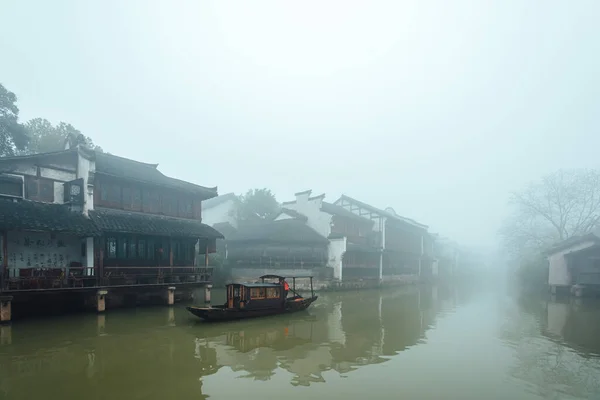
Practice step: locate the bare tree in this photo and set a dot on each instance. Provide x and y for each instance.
(561, 205)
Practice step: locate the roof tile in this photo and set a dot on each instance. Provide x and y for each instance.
(109, 220)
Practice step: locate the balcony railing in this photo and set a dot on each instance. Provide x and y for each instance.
(15, 279)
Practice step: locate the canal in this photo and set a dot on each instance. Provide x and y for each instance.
(429, 343)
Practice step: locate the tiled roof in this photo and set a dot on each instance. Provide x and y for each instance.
(109, 220)
(572, 241)
(225, 228)
(342, 212)
(215, 201)
(381, 212)
(282, 231)
(293, 214)
(120, 167)
(26, 215)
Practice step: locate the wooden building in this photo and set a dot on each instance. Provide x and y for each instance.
(283, 246)
(405, 246)
(78, 219)
(574, 265)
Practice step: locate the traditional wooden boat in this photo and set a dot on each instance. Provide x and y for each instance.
(258, 299)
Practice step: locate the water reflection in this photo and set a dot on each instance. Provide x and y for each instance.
(472, 345)
(342, 333)
(153, 353)
(557, 345)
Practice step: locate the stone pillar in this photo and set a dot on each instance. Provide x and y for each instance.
(101, 300)
(171, 295)
(207, 289)
(89, 256)
(5, 309)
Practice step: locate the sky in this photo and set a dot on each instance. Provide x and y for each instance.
(438, 109)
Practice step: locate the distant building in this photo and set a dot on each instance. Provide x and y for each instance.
(354, 240)
(406, 247)
(284, 247)
(446, 253)
(352, 246)
(574, 264)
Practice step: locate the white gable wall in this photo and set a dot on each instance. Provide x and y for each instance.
(283, 216)
(558, 274)
(224, 212)
(318, 220)
(335, 251)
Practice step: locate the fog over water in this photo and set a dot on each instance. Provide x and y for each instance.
(438, 109)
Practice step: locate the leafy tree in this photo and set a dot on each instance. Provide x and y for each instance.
(13, 135)
(257, 205)
(44, 137)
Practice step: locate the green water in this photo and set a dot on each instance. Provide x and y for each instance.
(432, 343)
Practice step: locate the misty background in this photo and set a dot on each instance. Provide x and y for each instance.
(437, 109)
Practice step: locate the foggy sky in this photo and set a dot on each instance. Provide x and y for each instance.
(436, 108)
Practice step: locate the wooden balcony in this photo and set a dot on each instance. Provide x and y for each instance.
(43, 279)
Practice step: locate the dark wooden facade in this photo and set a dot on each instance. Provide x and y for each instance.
(144, 227)
(398, 245)
(285, 244)
(122, 194)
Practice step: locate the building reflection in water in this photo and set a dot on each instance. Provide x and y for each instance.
(575, 322)
(342, 333)
(158, 353)
(567, 360)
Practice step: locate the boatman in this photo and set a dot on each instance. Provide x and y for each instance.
(286, 287)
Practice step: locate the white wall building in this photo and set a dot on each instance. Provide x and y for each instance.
(220, 209)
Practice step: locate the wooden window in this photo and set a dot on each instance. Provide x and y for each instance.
(273, 293)
(177, 253)
(197, 209)
(164, 256)
(40, 189)
(136, 199)
(127, 198)
(111, 247)
(257, 293)
(122, 248)
(150, 250)
(185, 208)
(151, 201)
(169, 205)
(11, 186)
(103, 193)
(114, 195)
(141, 248)
(132, 248)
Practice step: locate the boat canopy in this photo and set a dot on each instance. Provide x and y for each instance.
(283, 277)
(255, 284)
(271, 277)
